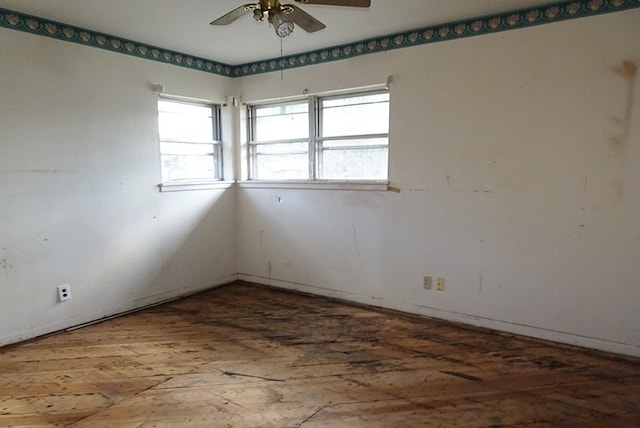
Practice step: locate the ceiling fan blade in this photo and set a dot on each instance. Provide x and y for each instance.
(352, 3)
(235, 14)
(303, 20)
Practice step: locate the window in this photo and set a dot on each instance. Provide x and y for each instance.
(190, 147)
(342, 137)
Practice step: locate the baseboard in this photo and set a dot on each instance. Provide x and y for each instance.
(457, 317)
(133, 306)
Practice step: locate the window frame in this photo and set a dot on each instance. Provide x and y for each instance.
(215, 143)
(252, 131)
(315, 140)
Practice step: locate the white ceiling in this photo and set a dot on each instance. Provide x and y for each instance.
(183, 25)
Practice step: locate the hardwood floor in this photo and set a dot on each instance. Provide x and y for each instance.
(247, 356)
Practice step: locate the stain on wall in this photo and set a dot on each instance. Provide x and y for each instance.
(4, 262)
(627, 70)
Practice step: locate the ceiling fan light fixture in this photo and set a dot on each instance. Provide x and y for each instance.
(281, 23)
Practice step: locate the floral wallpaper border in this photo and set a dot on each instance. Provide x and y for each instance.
(43, 27)
(555, 12)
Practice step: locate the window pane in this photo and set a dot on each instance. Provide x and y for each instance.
(355, 115)
(282, 122)
(354, 164)
(276, 110)
(185, 122)
(281, 161)
(187, 167)
(358, 99)
(282, 148)
(173, 148)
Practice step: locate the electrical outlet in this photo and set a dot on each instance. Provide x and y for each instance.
(428, 282)
(64, 293)
(440, 283)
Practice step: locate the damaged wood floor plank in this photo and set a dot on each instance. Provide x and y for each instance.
(250, 356)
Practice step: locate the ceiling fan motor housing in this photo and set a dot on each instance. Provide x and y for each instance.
(282, 17)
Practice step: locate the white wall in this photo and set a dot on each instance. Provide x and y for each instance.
(517, 157)
(79, 166)
(518, 160)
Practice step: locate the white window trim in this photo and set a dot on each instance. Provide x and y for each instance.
(365, 185)
(205, 184)
(372, 186)
(312, 182)
(176, 186)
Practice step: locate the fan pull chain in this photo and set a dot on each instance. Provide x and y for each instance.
(281, 58)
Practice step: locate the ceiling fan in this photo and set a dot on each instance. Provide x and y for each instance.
(283, 16)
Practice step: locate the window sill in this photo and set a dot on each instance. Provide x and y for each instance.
(194, 185)
(376, 186)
